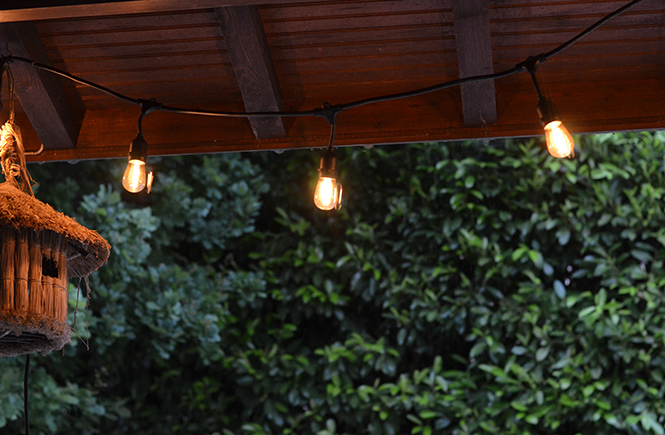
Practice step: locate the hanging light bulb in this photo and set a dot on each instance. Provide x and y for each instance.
(328, 192)
(559, 141)
(134, 179)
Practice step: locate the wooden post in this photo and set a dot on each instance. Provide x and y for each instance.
(22, 271)
(7, 262)
(471, 21)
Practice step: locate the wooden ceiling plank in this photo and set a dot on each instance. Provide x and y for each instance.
(474, 51)
(55, 115)
(250, 55)
(36, 10)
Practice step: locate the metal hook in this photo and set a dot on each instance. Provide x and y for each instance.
(35, 153)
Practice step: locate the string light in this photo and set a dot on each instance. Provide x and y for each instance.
(328, 192)
(560, 143)
(136, 176)
(134, 179)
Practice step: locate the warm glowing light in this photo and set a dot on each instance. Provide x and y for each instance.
(559, 142)
(134, 178)
(328, 193)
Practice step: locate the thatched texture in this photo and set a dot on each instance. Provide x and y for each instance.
(86, 250)
(23, 333)
(39, 249)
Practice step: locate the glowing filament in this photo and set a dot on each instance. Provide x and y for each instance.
(559, 141)
(328, 193)
(135, 176)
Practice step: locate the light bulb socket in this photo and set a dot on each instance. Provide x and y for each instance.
(328, 166)
(547, 111)
(138, 149)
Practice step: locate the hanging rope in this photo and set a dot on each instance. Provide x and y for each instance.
(12, 158)
(12, 153)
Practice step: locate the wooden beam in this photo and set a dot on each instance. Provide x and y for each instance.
(34, 10)
(474, 52)
(55, 115)
(248, 48)
(586, 107)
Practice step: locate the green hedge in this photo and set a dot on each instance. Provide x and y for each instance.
(464, 288)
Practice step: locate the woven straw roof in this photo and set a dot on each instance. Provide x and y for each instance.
(87, 250)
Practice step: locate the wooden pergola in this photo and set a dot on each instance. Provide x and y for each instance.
(269, 55)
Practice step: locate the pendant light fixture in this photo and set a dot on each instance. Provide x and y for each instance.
(134, 179)
(328, 191)
(559, 141)
(136, 176)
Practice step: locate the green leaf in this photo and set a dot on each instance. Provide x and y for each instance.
(489, 426)
(518, 350)
(586, 311)
(563, 236)
(518, 406)
(559, 289)
(640, 255)
(477, 349)
(428, 414)
(496, 371)
(649, 422)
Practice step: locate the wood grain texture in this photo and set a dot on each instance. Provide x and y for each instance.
(474, 53)
(55, 115)
(250, 55)
(339, 51)
(32, 10)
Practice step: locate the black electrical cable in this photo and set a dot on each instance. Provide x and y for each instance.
(26, 403)
(330, 112)
(240, 114)
(332, 135)
(437, 87)
(74, 78)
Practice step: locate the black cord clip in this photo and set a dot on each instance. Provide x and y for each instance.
(149, 106)
(329, 112)
(531, 64)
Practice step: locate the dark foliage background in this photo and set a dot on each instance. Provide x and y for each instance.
(464, 288)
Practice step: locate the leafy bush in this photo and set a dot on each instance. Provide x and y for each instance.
(464, 288)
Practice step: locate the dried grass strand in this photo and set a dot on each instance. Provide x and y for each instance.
(12, 158)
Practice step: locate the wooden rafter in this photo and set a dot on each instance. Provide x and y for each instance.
(55, 115)
(248, 48)
(340, 52)
(474, 52)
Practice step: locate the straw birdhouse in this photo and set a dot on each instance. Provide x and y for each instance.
(40, 249)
